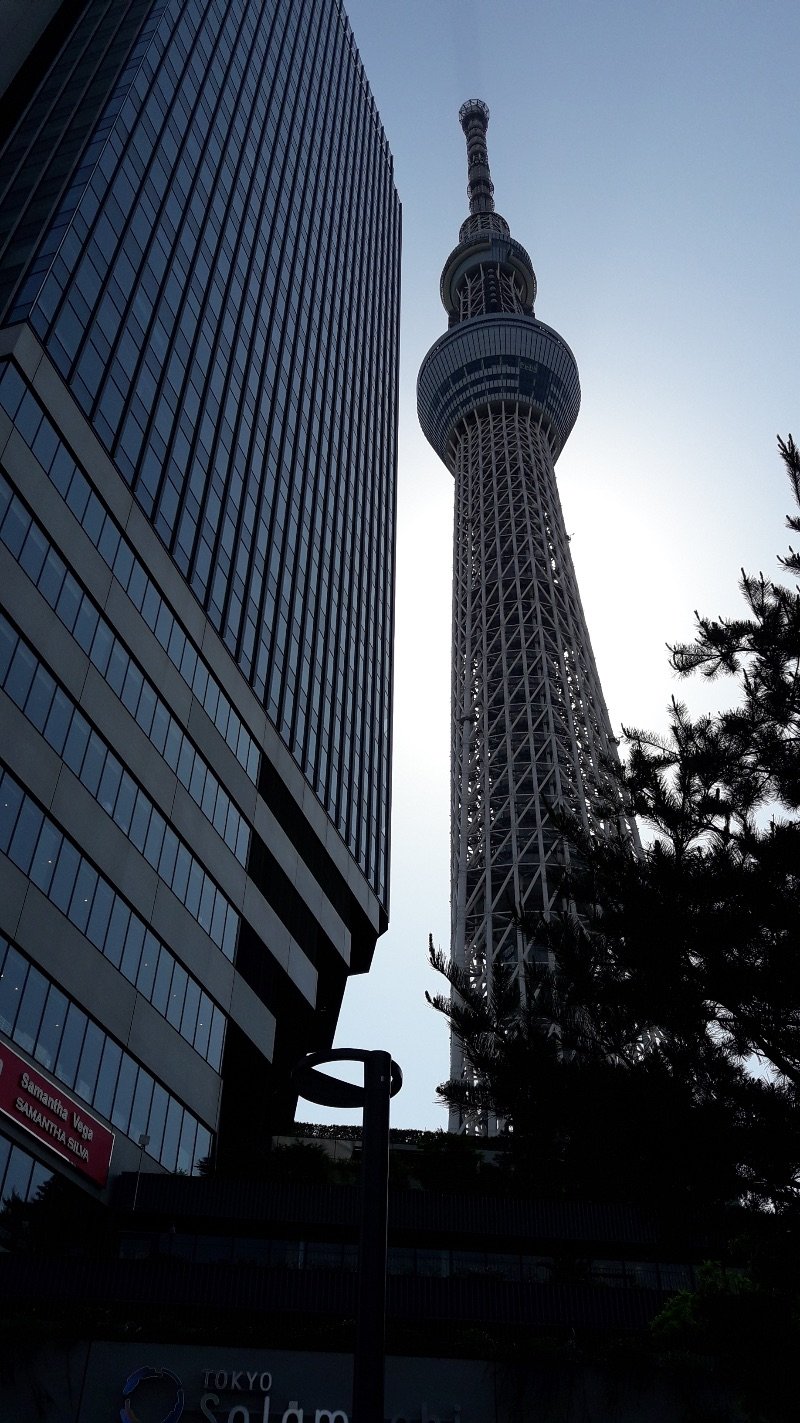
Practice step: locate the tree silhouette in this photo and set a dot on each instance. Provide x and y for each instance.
(657, 1054)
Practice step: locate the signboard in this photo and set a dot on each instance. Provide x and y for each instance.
(46, 1111)
(168, 1383)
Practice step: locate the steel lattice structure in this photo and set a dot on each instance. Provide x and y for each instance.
(498, 395)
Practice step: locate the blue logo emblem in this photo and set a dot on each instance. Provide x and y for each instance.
(142, 1375)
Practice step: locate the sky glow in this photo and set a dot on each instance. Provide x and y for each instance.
(646, 157)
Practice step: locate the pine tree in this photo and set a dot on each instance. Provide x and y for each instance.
(659, 1052)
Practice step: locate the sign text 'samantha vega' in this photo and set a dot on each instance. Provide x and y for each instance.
(498, 395)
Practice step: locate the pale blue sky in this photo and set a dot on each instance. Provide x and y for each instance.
(646, 156)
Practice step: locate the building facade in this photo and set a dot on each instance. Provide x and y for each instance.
(199, 288)
(498, 395)
(499, 1307)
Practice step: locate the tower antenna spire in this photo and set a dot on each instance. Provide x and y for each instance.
(474, 119)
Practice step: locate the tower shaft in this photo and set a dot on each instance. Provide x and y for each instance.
(530, 729)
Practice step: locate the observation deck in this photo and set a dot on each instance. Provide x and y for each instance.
(495, 351)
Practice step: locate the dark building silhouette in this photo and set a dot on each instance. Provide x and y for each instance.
(199, 286)
(499, 1307)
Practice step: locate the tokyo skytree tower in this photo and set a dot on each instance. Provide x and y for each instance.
(497, 397)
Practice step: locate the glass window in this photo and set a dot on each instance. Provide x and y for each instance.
(63, 881)
(191, 1005)
(45, 856)
(52, 577)
(26, 835)
(62, 470)
(18, 1174)
(132, 688)
(85, 625)
(158, 1117)
(34, 553)
(69, 601)
(39, 698)
(15, 526)
(433, 1262)
(109, 783)
(608, 1272)
(216, 1038)
(45, 444)
(161, 987)
(71, 1043)
(93, 763)
(117, 932)
(107, 1077)
(29, 1014)
(51, 1027)
(40, 1177)
(12, 983)
(160, 727)
(177, 994)
(76, 743)
(208, 901)
(172, 745)
(134, 939)
(187, 1140)
(400, 1261)
(126, 800)
(89, 1063)
(140, 821)
(211, 1248)
(203, 1028)
(12, 390)
(140, 1109)
(123, 1097)
(102, 647)
(251, 1249)
(172, 1134)
(169, 855)
(100, 917)
(8, 643)
(20, 674)
(10, 802)
(82, 895)
(154, 841)
(183, 866)
(202, 1145)
(117, 667)
(145, 711)
(59, 720)
(194, 888)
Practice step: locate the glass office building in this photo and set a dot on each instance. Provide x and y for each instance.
(199, 286)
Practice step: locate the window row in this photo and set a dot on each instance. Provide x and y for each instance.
(34, 553)
(409, 1260)
(53, 712)
(35, 844)
(53, 1030)
(41, 437)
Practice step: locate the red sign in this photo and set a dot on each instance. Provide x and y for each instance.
(48, 1113)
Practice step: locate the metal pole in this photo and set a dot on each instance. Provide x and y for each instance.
(369, 1359)
(144, 1141)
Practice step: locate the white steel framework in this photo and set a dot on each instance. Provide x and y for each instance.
(498, 396)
